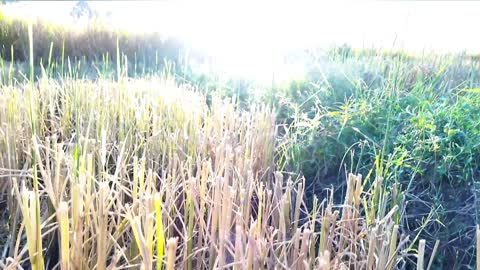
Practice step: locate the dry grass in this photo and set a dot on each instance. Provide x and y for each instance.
(144, 175)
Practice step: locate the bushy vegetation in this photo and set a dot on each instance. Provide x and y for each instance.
(190, 171)
(420, 115)
(94, 43)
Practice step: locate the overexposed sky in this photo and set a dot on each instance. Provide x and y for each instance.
(240, 32)
(442, 25)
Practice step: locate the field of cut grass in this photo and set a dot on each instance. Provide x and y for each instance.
(370, 161)
(144, 173)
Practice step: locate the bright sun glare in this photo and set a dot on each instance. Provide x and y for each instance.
(248, 38)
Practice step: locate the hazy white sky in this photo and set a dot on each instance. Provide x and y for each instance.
(239, 32)
(441, 25)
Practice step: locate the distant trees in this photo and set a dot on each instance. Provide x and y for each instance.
(82, 9)
(7, 1)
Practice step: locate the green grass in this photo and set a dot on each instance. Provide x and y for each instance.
(418, 114)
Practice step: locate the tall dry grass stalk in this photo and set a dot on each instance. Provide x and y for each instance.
(478, 246)
(145, 174)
